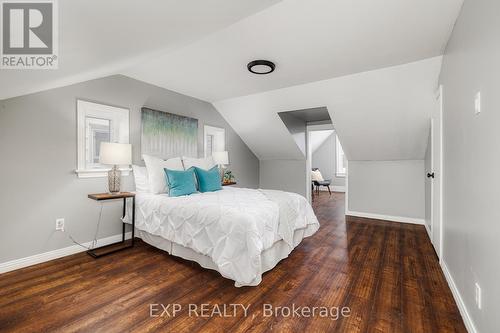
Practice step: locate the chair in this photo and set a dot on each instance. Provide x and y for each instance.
(319, 183)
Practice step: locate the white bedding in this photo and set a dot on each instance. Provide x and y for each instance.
(232, 226)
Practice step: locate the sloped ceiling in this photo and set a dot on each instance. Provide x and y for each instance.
(309, 40)
(378, 115)
(100, 38)
(201, 48)
(317, 138)
(319, 114)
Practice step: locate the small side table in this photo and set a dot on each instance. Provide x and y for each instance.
(118, 246)
(229, 184)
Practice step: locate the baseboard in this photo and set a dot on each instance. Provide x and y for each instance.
(428, 229)
(401, 219)
(51, 255)
(333, 188)
(469, 324)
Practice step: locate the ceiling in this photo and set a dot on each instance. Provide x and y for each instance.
(360, 59)
(99, 38)
(378, 115)
(201, 48)
(309, 41)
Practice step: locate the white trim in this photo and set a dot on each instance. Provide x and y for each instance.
(120, 131)
(51, 255)
(339, 164)
(437, 224)
(441, 176)
(401, 219)
(432, 226)
(469, 324)
(219, 134)
(315, 126)
(334, 188)
(428, 231)
(94, 173)
(346, 197)
(308, 164)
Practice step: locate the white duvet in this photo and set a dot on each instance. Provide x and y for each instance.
(232, 226)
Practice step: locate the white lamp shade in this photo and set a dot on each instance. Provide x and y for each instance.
(115, 153)
(220, 157)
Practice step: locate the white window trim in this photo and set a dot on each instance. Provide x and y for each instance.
(338, 165)
(119, 118)
(218, 133)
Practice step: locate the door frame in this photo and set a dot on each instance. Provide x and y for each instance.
(437, 224)
(313, 127)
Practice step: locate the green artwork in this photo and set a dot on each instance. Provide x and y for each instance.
(168, 135)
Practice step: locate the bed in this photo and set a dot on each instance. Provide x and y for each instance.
(241, 233)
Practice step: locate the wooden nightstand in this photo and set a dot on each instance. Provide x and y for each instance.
(124, 244)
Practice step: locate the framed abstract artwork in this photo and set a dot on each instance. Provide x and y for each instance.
(168, 135)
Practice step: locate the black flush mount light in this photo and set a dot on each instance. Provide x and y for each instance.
(261, 67)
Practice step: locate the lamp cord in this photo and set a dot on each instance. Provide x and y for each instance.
(94, 241)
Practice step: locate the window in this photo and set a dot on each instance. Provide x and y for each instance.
(341, 169)
(214, 139)
(210, 145)
(98, 130)
(98, 123)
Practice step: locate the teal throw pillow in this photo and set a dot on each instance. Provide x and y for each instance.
(180, 182)
(208, 180)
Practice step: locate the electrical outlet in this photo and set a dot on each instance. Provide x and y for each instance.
(478, 296)
(477, 103)
(60, 224)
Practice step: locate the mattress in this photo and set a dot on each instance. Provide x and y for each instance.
(241, 233)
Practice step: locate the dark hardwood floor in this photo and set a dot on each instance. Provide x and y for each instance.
(386, 273)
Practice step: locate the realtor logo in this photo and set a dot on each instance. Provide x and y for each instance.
(29, 34)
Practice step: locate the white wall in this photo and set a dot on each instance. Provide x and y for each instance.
(471, 175)
(285, 175)
(387, 188)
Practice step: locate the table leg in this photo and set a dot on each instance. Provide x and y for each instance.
(133, 220)
(123, 223)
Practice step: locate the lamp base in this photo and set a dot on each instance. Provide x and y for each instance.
(114, 177)
(221, 171)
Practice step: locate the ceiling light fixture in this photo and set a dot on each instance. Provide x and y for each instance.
(261, 67)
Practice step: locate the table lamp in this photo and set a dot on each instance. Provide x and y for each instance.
(221, 158)
(115, 154)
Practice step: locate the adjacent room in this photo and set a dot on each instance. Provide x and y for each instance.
(249, 166)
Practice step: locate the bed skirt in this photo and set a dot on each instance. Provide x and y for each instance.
(269, 258)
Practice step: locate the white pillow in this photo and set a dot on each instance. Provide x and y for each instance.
(156, 174)
(316, 176)
(206, 163)
(141, 178)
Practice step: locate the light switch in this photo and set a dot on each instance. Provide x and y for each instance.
(477, 103)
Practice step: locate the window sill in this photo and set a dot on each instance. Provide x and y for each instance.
(99, 173)
(340, 175)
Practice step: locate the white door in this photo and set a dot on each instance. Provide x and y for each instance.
(436, 174)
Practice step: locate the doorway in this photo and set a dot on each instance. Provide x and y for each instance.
(326, 163)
